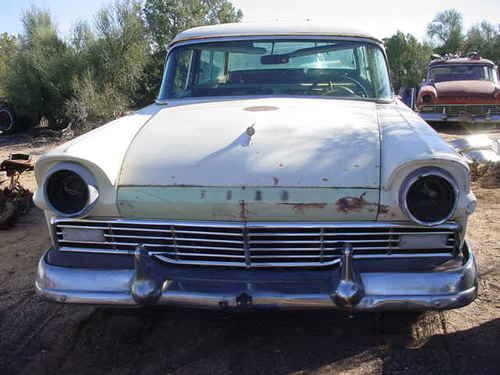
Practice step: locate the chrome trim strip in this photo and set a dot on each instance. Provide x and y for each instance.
(258, 224)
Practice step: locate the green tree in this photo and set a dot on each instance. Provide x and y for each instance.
(484, 38)
(112, 55)
(408, 59)
(166, 18)
(7, 52)
(40, 73)
(446, 29)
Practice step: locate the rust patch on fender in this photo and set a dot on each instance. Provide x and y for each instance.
(302, 207)
(347, 204)
(355, 204)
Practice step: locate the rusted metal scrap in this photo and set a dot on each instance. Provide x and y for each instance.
(15, 200)
(482, 153)
(478, 148)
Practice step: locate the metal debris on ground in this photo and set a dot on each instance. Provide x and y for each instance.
(15, 200)
(482, 153)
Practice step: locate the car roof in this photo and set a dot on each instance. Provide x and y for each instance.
(268, 29)
(461, 60)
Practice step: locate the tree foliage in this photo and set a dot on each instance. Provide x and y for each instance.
(112, 56)
(446, 29)
(40, 72)
(484, 38)
(7, 52)
(408, 59)
(115, 62)
(167, 18)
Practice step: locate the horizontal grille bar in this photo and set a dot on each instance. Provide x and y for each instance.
(251, 244)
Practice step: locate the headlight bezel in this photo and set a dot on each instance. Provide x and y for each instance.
(86, 176)
(417, 175)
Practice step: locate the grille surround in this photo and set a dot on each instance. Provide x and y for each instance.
(254, 245)
(456, 110)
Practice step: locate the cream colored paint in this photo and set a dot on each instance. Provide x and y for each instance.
(304, 142)
(101, 151)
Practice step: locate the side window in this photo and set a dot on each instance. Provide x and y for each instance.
(181, 76)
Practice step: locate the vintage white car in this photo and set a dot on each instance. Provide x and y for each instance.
(275, 170)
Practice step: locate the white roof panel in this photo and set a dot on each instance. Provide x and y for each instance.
(261, 29)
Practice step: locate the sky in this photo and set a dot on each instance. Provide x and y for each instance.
(381, 18)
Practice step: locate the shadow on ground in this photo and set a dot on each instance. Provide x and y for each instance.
(159, 340)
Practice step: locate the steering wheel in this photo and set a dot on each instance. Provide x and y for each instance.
(359, 84)
(332, 87)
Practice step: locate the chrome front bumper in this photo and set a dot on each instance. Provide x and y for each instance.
(452, 285)
(439, 117)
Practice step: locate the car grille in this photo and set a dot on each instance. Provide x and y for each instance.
(253, 244)
(456, 110)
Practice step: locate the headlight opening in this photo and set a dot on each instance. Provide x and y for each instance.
(70, 190)
(429, 196)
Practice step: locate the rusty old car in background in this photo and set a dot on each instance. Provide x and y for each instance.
(275, 170)
(460, 90)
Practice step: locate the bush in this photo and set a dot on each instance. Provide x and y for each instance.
(93, 104)
(106, 67)
(41, 72)
(7, 51)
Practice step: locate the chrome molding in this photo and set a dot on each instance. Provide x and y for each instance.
(256, 244)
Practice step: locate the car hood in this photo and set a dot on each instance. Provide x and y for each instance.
(275, 142)
(263, 159)
(471, 89)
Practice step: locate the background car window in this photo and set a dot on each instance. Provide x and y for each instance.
(461, 73)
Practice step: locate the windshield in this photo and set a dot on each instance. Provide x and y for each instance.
(461, 72)
(332, 68)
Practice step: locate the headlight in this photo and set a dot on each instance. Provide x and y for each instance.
(70, 190)
(429, 196)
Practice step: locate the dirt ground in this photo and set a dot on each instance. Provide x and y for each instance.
(37, 337)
